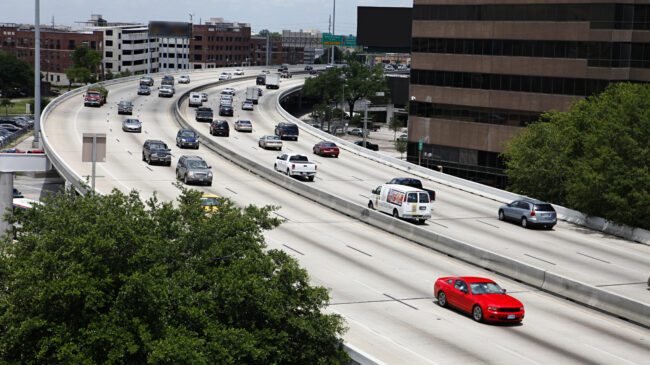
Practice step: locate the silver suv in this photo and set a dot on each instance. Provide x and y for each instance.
(529, 213)
(193, 169)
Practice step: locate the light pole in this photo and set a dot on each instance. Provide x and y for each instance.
(365, 122)
(37, 76)
(333, 27)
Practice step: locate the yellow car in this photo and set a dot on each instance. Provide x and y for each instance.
(210, 202)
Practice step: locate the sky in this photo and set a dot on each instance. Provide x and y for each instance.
(274, 15)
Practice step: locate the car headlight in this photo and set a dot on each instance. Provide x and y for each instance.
(183, 139)
(190, 173)
(521, 309)
(210, 174)
(492, 309)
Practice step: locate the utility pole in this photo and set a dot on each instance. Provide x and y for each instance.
(333, 28)
(37, 77)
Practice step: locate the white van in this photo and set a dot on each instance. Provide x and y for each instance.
(401, 201)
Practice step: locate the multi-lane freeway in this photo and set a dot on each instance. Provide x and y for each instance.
(380, 283)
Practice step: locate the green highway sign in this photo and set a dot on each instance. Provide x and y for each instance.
(350, 41)
(332, 40)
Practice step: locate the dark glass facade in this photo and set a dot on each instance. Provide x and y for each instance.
(599, 16)
(597, 54)
(520, 83)
(472, 114)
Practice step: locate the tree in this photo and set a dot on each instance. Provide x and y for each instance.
(77, 75)
(593, 158)
(361, 82)
(84, 58)
(323, 113)
(6, 102)
(327, 86)
(400, 146)
(15, 74)
(114, 279)
(395, 124)
(265, 32)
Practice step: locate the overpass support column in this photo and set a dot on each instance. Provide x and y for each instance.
(6, 199)
(390, 112)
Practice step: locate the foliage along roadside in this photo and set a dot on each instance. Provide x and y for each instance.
(114, 279)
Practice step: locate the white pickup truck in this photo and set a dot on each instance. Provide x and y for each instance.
(295, 165)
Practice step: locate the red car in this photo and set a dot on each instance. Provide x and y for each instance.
(481, 297)
(324, 148)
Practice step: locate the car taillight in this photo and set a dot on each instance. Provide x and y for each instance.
(293, 165)
(532, 213)
(315, 167)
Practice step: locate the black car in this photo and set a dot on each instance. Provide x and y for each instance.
(370, 146)
(261, 80)
(308, 68)
(287, 131)
(146, 80)
(17, 194)
(226, 110)
(187, 138)
(154, 150)
(219, 128)
(144, 90)
(125, 107)
(204, 114)
(259, 91)
(167, 80)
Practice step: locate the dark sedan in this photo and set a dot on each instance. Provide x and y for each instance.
(369, 145)
(144, 90)
(226, 110)
(219, 128)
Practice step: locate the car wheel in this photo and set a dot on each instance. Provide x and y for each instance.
(477, 313)
(336, 156)
(288, 172)
(370, 206)
(315, 151)
(421, 221)
(310, 178)
(209, 183)
(524, 222)
(185, 179)
(501, 215)
(149, 160)
(227, 134)
(169, 163)
(143, 159)
(395, 213)
(442, 299)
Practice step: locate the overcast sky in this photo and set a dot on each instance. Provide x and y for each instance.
(274, 15)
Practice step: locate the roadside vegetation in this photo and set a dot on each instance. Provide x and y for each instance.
(115, 279)
(595, 158)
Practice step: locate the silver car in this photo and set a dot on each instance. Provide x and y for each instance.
(270, 141)
(132, 125)
(193, 169)
(247, 105)
(529, 213)
(244, 126)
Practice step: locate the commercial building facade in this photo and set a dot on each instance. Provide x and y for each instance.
(310, 40)
(482, 70)
(219, 44)
(278, 55)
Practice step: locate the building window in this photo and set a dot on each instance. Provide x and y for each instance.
(127, 63)
(109, 64)
(109, 32)
(109, 43)
(71, 45)
(109, 54)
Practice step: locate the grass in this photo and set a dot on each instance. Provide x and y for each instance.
(19, 107)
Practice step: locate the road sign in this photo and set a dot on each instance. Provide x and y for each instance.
(420, 145)
(332, 40)
(350, 41)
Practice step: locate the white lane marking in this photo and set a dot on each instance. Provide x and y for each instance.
(518, 355)
(610, 354)
(347, 318)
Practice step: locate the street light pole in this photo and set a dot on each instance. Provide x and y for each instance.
(333, 26)
(37, 77)
(365, 123)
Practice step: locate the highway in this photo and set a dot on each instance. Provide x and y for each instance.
(380, 283)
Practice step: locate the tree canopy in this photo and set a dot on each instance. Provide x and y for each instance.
(595, 158)
(114, 279)
(85, 64)
(15, 74)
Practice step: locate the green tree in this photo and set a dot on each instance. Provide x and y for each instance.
(113, 279)
(85, 58)
(15, 73)
(6, 102)
(395, 124)
(327, 86)
(400, 146)
(594, 158)
(361, 82)
(323, 113)
(77, 75)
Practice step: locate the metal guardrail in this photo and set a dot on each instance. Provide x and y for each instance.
(596, 223)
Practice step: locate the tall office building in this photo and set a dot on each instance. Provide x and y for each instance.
(481, 70)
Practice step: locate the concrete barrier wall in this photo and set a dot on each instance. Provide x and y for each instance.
(577, 291)
(596, 223)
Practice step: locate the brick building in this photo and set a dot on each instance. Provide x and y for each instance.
(57, 46)
(218, 44)
(279, 54)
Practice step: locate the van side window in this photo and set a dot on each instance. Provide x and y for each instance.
(377, 190)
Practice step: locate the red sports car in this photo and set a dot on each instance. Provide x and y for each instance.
(481, 297)
(325, 148)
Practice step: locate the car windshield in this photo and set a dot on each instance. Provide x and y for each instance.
(244, 122)
(158, 146)
(132, 121)
(209, 200)
(197, 164)
(544, 208)
(275, 138)
(485, 288)
(299, 158)
(187, 134)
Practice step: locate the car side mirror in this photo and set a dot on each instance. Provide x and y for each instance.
(504, 291)
(209, 167)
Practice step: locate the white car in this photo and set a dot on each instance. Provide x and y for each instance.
(227, 92)
(269, 141)
(247, 105)
(195, 99)
(244, 126)
(224, 76)
(239, 71)
(184, 79)
(232, 90)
